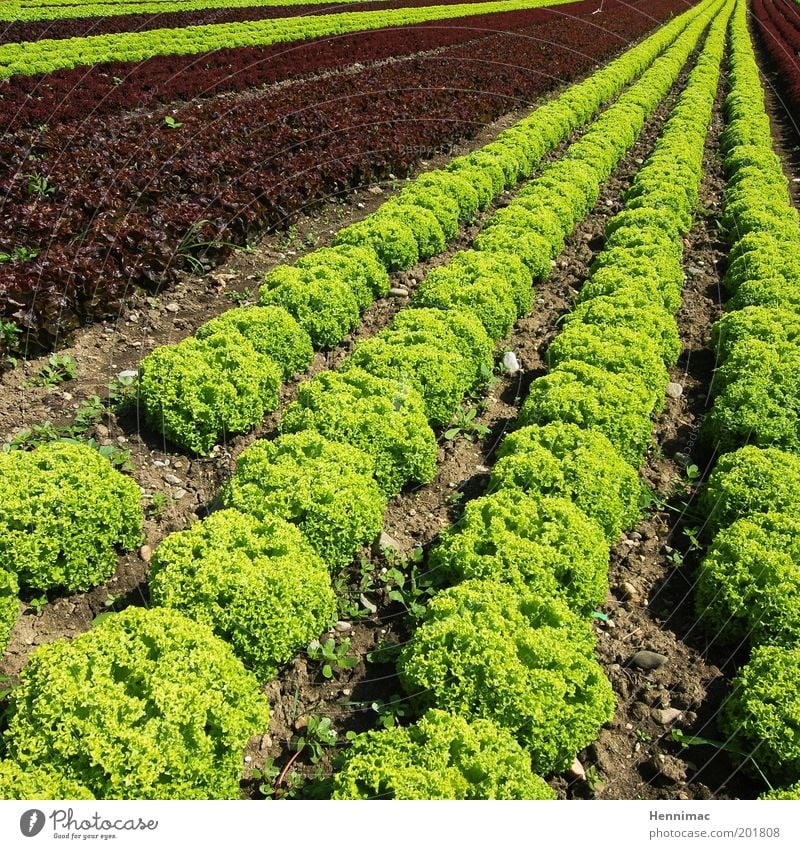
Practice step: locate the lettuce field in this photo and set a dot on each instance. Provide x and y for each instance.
(400, 400)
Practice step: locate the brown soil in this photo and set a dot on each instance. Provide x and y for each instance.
(649, 606)
(652, 567)
(650, 603)
(186, 485)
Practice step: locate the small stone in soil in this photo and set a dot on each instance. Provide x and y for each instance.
(665, 716)
(342, 626)
(511, 363)
(399, 291)
(648, 659)
(173, 307)
(178, 494)
(173, 479)
(368, 604)
(631, 592)
(384, 541)
(674, 390)
(577, 770)
(145, 552)
(666, 768)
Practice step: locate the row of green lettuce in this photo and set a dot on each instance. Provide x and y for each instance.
(510, 641)
(48, 55)
(748, 587)
(224, 379)
(34, 10)
(256, 577)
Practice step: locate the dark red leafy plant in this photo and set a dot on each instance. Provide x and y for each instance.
(114, 204)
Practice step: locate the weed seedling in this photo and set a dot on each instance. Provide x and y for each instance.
(89, 412)
(172, 123)
(319, 734)
(9, 339)
(112, 599)
(692, 534)
(384, 652)
(193, 241)
(28, 438)
(157, 505)
(405, 582)
(18, 255)
(9, 333)
(240, 298)
(464, 424)
(38, 603)
(122, 391)
(334, 656)
(350, 590)
(687, 740)
(594, 779)
(389, 713)
(39, 186)
(57, 369)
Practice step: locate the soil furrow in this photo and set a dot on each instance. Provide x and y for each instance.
(414, 519)
(652, 567)
(156, 465)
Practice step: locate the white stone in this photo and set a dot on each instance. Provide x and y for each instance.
(511, 363)
(674, 390)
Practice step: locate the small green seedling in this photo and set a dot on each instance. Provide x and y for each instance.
(89, 412)
(464, 424)
(193, 241)
(594, 779)
(384, 652)
(39, 186)
(157, 505)
(112, 599)
(57, 369)
(390, 713)
(334, 656)
(320, 733)
(240, 298)
(38, 603)
(692, 473)
(172, 123)
(405, 582)
(30, 437)
(122, 390)
(692, 534)
(18, 255)
(9, 333)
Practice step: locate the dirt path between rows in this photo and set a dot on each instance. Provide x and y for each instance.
(650, 604)
(652, 568)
